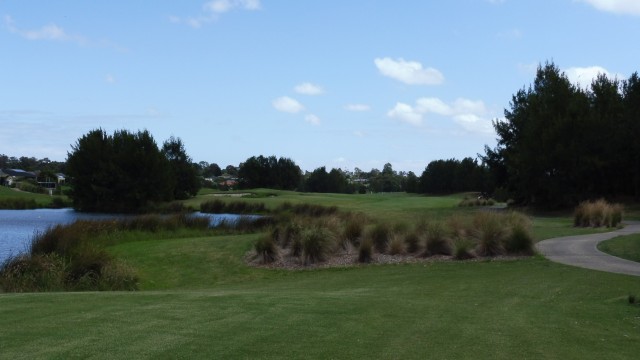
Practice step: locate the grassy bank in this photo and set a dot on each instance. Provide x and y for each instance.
(19, 200)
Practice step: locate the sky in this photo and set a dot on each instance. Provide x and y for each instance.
(341, 84)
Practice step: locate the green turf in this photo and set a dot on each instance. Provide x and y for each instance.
(200, 300)
(626, 247)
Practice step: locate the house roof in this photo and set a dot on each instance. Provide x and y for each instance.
(17, 172)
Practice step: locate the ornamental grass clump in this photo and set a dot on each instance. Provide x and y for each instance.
(436, 240)
(317, 243)
(490, 233)
(518, 239)
(379, 236)
(597, 214)
(266, 249)
(353, 230)
(463, 249)
(365, 251)
(397, 245)
(412, 242)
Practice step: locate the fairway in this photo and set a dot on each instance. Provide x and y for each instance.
(199, 299)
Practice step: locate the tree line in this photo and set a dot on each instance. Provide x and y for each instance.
(557, 145)
(560, 144)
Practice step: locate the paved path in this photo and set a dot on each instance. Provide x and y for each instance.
(582, 251)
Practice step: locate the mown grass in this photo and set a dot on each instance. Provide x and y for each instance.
(626, 247)
(212, 306)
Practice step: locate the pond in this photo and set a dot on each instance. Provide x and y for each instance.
(17, 227)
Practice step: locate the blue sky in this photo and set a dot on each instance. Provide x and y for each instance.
(326, 83)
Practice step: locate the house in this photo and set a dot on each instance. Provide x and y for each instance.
(9, 177)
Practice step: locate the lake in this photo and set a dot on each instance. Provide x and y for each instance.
(17, 227)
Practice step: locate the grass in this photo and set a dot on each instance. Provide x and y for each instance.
(626, 247)
(198, 299)
(206, 303)
(14, 199)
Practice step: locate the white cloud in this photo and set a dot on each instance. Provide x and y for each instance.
(213, 9)
(359, 133)
(628, 7)
(357, 107)
(474, 123)
(406, 113)
(469, 114)
(312, 119)
(308, 89)
(47, 32)
(110, 79)
(287, 104)
(433, 105)
(223, 6)
(408, 72)
(584, 76)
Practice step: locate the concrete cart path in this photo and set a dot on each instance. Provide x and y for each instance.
(582, 251)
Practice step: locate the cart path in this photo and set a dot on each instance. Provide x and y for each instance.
(582, 251)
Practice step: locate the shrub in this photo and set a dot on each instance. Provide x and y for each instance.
(266, 249)
(631, 299)
(365, 251)
(489, 232)
(379, 235)
(316, 244)
(436, 242)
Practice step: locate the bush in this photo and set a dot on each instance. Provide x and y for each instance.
(266, 249)
(316, 244)
(436, 242)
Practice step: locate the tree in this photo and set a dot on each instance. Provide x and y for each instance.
(560, 144)
(184, 173)
(121, 173)
(269, 172)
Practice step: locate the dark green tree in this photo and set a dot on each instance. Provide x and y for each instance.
(122, 173)
(184, 173)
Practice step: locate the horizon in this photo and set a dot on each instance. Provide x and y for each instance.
(340, 85)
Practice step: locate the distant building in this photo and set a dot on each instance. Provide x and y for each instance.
(9, 177)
